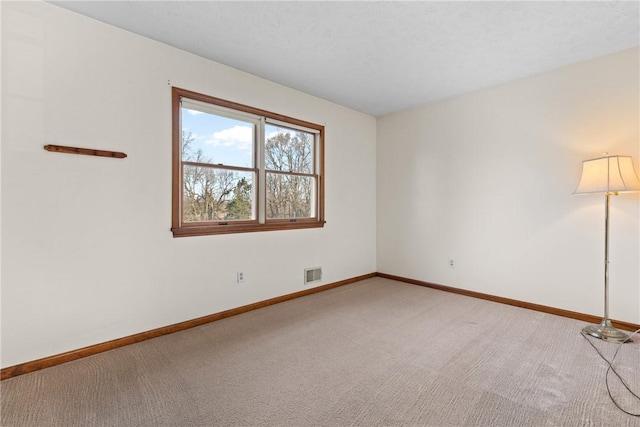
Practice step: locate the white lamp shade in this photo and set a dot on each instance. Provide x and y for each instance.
(609, 174)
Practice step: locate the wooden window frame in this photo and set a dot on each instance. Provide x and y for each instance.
(182, 229)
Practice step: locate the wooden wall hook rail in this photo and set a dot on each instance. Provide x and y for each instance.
(85, 151)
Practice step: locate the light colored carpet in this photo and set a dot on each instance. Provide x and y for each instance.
(373, 353)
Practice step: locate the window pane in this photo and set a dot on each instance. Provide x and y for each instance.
(290, 196)
(209, 138)
(288, 150)
(213, 194)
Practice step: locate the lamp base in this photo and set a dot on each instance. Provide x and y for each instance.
(606, 332)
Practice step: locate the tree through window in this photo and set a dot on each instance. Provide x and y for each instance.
(289, 163)
(237, 168)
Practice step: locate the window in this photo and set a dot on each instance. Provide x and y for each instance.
(240, 169)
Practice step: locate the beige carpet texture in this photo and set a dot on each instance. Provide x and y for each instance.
(372, 353)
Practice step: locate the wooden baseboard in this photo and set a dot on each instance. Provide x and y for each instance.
(47, 362)
(528, 305)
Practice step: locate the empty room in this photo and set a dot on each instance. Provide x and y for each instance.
(320, 213)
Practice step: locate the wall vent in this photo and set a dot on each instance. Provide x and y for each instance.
(312, 275)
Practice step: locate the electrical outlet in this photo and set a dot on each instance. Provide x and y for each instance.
(240, 276)
(452, 263)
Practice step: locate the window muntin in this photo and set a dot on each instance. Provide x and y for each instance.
(238, 168)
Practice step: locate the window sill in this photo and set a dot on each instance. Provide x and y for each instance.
(207, 230)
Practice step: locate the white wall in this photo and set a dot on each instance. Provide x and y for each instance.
(487, 178)
(87, 252)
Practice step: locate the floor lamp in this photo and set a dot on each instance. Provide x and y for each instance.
(609, 175)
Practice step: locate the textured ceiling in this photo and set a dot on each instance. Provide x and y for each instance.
(381, 57)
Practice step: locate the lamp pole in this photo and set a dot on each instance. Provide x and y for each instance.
(606, 254)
